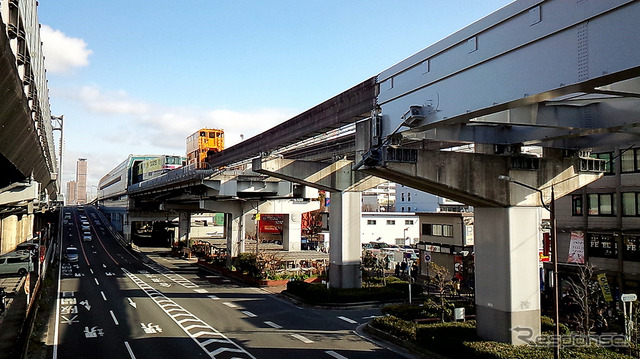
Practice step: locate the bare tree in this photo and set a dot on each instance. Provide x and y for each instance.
(586, 294)
(441, 279)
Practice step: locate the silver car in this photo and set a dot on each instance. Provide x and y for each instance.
(71, 255)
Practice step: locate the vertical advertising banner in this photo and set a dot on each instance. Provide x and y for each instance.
(576, 248)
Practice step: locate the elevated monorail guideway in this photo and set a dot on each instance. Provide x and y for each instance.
(552, 73)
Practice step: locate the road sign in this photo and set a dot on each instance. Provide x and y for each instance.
(629, 297)
(427, 257)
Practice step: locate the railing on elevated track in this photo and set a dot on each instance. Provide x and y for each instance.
(191, 172)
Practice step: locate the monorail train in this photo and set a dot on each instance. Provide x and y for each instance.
(155, 167)
(114, 184)
(202, 143)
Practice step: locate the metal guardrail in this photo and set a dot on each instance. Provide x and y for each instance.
(194, 171)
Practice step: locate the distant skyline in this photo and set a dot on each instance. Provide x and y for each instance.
(138, 77)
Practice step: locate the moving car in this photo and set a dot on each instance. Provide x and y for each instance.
(71, 255)
(87, 237)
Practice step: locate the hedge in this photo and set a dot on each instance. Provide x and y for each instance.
(317, 293)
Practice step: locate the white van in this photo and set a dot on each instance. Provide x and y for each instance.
(14, 263)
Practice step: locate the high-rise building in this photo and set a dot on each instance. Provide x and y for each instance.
(81, 181)
(71, 192)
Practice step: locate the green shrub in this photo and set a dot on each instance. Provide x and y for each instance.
(247, 263)
(317, 293)
(403, 311)
(547, 326)
(446, 335)
(403, 287)
(395, 326)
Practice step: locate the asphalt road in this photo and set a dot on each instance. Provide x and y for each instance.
(112, 305)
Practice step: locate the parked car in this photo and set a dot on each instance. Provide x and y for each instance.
(71, 255)
(14, 263)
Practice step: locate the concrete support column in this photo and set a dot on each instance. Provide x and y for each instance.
(9, 233)
(507, 276)
(292, 229)
(234, 232)
(184, 226)
(345, 249)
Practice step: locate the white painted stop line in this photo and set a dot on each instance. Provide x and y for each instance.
(348, 320)
(335, 355)
(273, 325)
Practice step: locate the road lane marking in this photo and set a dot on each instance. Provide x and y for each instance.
(96, 279)
(335, 355)
(302, 339)
(348, 320)
(91, 270)
(201, 336)
(230, 305)
(273, 325)
(129, 350)
(200, 290)
(213, 297)
(173, 276)
(103, 296)
(114, 317)
(249, 314)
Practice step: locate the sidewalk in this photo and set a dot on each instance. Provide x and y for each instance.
(12, 320)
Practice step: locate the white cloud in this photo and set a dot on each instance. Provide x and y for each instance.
(63, 53)
(126, 124)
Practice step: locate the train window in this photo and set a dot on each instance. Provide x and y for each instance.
(203, 134)
(212, 135)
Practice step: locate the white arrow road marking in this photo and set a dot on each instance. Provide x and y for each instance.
(272, 324)
(348, 320)
(335, 355)
(132, 303)
(302, 339)
(86, 304)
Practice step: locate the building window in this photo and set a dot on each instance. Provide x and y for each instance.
(391, 222)
(602, 245)
(403, 209)
(408, 222)
(447, 230)
(436, 230)
(630, 204)
(402, 196)
(409, 197)
(629, 161)
(371, 222)
(426, 229)
(576, 205)
(601, 204)
(607, 156)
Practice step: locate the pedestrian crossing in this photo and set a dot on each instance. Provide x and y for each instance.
(212, 342)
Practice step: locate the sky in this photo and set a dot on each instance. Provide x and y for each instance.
(139, 76)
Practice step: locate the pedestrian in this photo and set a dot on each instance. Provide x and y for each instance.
(397, 270)
(600, 322)
(2, 295)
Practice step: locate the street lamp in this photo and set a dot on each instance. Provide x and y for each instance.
(554, 246)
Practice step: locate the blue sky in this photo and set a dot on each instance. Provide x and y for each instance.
(140, 76)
